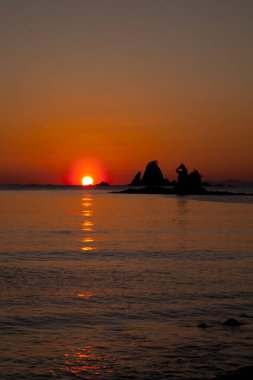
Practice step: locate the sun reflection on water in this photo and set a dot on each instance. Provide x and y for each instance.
(87, 213)
(85, 294)
(88, 224)
(88, 248)
(88, 240)
(85, 363)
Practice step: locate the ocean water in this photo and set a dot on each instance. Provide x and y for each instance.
(96, 285)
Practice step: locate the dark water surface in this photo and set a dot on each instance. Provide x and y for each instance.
(97, 285)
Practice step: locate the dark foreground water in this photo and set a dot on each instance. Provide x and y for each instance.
(113, 286)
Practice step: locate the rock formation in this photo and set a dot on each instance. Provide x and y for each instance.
(152, 176)
(137, 180)
(188, 183)
(154, 181)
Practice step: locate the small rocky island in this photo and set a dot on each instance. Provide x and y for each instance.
(153, 182)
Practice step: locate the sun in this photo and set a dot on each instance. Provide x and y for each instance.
(87, 180)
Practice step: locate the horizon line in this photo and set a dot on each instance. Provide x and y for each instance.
(212, 182)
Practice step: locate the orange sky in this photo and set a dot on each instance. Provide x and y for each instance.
(102, 87)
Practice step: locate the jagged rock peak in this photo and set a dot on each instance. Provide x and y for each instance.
(153, 175)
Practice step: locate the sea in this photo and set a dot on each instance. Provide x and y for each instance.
(103, 285)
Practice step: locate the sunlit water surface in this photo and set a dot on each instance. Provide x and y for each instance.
(97, 285)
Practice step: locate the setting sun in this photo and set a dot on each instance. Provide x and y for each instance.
(87, 180)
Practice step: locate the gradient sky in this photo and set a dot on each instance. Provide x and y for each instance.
(101, 87)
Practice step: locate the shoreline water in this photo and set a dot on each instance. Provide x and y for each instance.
(125, 189)
(169, 191)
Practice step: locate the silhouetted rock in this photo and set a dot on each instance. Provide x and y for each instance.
(232, 322)
(182, 186)
(148, 190)
(153, 175)
(103, 184)
(167, 182)
(194, 182)
(137, 180)
(153, 181)
(245, 373)
(188, 183)
(202, 325)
